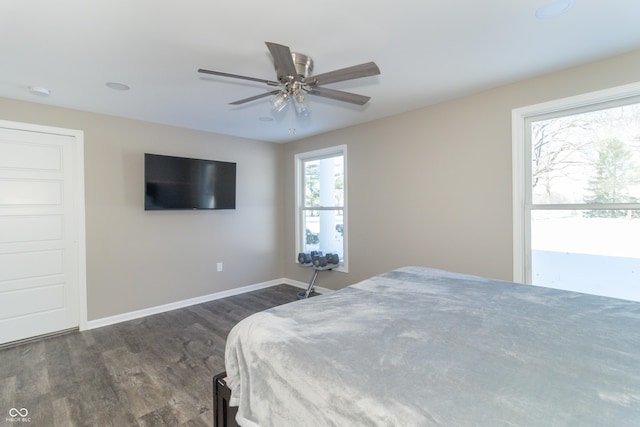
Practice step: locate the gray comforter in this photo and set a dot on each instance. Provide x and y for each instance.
(421, 347)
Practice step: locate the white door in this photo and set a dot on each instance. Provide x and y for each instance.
(41, 230)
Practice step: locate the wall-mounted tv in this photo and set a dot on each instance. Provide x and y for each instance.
(183, 183)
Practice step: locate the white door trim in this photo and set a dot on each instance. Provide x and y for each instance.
(78, 204)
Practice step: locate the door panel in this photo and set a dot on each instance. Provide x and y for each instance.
(33, 301)
(39, 246)
(25, 229)
(14, 192)
(31, 264)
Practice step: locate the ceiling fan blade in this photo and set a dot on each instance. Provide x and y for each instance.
(282, 60)
(236, 76)
(353, 98)
(349, 73)
(253, 98)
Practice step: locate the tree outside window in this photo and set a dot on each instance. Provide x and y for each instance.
(582, 207)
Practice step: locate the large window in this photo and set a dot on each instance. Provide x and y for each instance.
(321, 220)
(577, 194)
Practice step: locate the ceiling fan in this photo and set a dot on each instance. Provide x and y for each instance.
(293, 72)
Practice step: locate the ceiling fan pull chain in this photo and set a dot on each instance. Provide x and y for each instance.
(292, 128)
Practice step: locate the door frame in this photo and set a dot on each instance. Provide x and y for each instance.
(78, 205)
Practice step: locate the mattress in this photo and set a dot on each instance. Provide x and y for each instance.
(420, 347)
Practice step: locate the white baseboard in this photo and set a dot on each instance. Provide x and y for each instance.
(124, 317)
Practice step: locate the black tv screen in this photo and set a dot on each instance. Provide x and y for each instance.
(183, 183)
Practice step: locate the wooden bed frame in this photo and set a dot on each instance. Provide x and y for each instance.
(223, 415)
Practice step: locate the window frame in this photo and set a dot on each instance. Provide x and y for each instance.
(521, 163)
(300, 159)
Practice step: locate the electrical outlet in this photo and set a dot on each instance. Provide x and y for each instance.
(219, 266)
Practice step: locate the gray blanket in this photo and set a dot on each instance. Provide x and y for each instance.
(421, 347)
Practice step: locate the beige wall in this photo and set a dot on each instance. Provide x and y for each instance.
(138, 259)
(433, 187)
(429, 187)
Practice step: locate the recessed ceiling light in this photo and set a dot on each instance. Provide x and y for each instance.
(553, 9)
(39, 91)
(265, 119)
(117, 86)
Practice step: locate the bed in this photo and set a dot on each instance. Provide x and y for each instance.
(418, 347)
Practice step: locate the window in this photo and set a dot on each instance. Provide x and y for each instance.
(321, 201)
(577, 194)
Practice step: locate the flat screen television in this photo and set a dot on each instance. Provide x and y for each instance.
(182, 183)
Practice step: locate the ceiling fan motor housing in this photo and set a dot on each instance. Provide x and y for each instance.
(303, 64)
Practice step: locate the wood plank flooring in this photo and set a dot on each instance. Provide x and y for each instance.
(154, 371)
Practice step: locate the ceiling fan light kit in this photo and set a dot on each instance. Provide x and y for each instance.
(295, 80)
(301, 102)
(280, 101)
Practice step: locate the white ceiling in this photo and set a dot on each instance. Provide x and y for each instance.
(428, 51)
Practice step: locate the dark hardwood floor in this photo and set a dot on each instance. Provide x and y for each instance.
(154, 371)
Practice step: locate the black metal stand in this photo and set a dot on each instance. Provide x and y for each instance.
(305, 294)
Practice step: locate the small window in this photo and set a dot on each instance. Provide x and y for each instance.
(321, 202)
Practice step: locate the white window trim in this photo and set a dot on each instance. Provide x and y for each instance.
(299, 158)
(521, 230)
